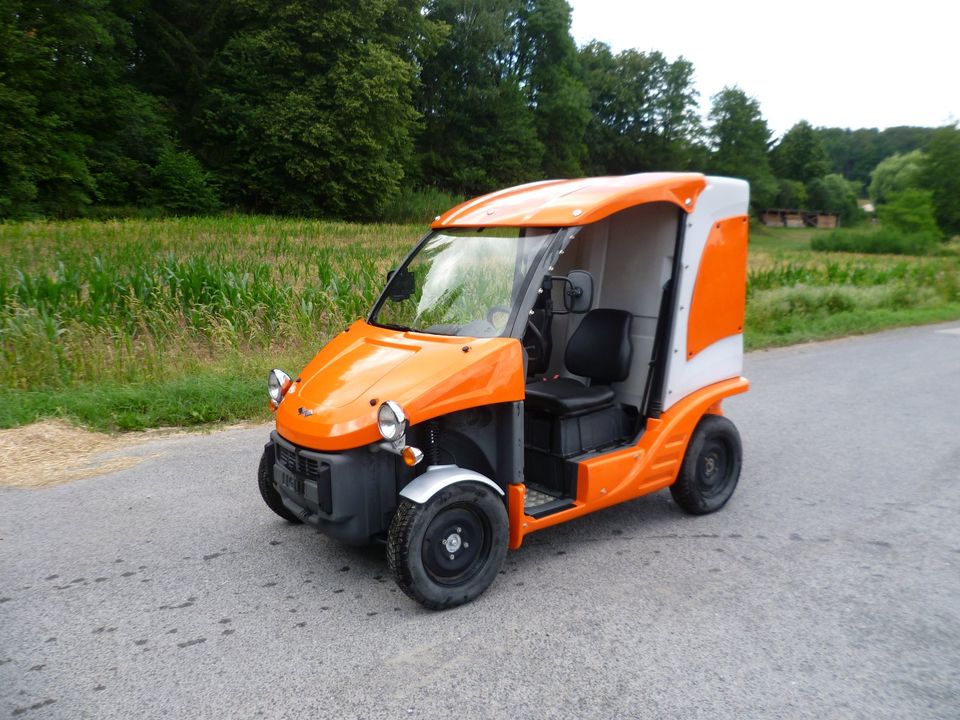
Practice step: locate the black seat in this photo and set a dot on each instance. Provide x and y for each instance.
(600, 350)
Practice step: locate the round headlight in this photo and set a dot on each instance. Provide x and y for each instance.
(278, 382)
(391, 421)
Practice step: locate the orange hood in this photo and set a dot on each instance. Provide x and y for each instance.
(334, 403)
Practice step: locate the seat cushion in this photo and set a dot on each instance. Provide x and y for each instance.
(600, 347)
(565, 396)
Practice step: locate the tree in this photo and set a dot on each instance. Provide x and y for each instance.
(851, 153)
(894, 174)
(76, 129)
(644, 111)
(73, 128)
(855, 153)
(177, 41)
(739, 140)
(791, 195)
(910, 211)
(799, 155)
(553, 86)
(36, 145)
(940, 174)
(479, 130)
(308, 108)
(502, 99)
(835, 194)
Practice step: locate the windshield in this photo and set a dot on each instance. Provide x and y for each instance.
(461, 282)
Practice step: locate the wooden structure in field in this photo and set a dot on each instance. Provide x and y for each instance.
(779, 217)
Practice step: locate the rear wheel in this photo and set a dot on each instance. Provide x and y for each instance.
(269, 492)
(711, 467)
(447, 551)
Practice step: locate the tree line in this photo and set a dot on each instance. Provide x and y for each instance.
(335, 108)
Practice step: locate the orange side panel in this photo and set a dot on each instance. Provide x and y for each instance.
(515, 497)
(628, 473)
(719, 295)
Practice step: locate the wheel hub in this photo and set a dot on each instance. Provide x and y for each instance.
(455, 545)
(709, 465)
(453, 542)
(713, 471)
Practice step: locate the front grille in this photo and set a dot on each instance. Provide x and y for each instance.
(297, 463)
(307, 475)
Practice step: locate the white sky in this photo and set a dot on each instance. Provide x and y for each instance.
(834, 63)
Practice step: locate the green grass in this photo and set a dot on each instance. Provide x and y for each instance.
(137, 323)
(797, 295)
(204, 397)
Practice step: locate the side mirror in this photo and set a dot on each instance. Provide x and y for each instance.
(578, 291)
(400, 284)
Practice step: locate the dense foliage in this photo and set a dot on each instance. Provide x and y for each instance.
(940, 174)
(855, 153)
(894, 174)
(357, 110)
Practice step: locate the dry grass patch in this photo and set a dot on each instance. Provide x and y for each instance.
(54, 452)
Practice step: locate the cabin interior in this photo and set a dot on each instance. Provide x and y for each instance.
(591, 372)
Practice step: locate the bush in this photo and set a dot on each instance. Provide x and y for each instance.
(907, 228)
(883, 240)
(182, 187)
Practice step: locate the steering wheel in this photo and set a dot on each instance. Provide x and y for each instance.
(497, 310)
(534, 343)
(533, 340)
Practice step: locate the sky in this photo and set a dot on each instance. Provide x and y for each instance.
(834, 64)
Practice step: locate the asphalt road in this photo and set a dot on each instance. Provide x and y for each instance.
(829, 587)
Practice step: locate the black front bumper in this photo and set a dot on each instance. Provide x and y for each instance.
(350, 495)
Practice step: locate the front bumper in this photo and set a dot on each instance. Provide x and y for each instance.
(350, 495)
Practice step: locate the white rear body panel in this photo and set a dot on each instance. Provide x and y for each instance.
(722, 198)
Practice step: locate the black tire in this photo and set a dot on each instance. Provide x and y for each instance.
(418, 554)
(268, 492)
(711, 467)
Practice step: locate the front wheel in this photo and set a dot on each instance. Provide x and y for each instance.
(268, 492)
(447, 551)
(710, 468)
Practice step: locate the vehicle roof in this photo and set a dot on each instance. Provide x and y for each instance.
(562, 203)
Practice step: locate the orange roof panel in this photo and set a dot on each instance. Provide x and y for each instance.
(562, 203)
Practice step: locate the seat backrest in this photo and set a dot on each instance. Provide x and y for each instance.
(600, 348)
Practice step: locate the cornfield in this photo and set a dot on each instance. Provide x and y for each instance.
(141, 304)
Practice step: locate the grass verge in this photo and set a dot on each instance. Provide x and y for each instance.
(200, 399)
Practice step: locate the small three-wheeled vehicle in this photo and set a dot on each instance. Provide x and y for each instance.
(543, 352)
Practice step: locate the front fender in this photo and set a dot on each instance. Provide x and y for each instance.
(437, 477)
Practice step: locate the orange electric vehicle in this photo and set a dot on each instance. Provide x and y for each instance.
(543, 352)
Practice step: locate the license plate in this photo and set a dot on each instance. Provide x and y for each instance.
(289, 481)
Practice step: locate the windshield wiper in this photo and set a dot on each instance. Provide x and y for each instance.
(391, 326)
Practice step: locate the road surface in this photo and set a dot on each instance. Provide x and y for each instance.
(829, 587)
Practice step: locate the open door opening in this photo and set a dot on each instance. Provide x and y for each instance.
(602, 363)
